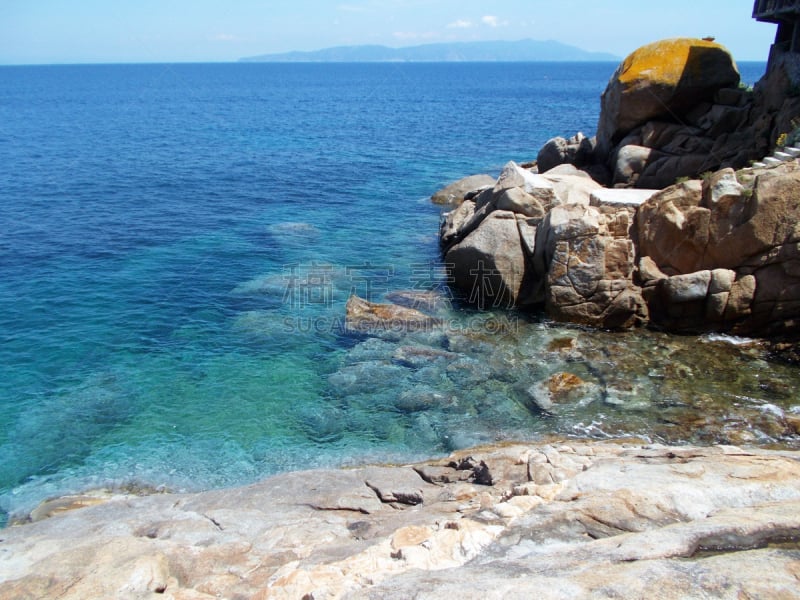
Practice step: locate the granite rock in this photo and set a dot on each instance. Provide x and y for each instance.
(554, 520)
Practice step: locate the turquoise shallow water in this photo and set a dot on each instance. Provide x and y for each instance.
(178, 243)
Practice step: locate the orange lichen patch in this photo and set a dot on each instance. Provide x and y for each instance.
(665, 61)
(562, 383)
(562, 344)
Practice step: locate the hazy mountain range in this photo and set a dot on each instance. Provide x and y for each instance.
(519, 51)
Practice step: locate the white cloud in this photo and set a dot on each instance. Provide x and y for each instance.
(460, 24)
(493, 21)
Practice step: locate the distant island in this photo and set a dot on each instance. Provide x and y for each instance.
(498, 51)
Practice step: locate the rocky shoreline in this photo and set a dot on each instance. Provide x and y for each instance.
(561, 519)
(709, 244)
(581, 236)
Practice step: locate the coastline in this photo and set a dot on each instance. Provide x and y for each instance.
(560, 518)
(569, 517)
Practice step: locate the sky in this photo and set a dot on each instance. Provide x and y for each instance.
(111, 31)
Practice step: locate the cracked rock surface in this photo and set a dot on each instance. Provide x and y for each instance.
(563, 519)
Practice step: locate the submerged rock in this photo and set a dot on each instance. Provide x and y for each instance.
(370, 317)
(427, 301)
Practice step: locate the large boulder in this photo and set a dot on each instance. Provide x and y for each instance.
(577, 150)
(664, 78)
(490, 240)
(455, 192)
(490, 264)
(591, 261)
(723, 254)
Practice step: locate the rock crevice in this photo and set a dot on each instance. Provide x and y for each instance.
(557, 520)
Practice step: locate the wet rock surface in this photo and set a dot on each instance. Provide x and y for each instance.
(485, 377)
(558, 519)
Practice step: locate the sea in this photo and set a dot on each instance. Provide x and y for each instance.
(178, 242)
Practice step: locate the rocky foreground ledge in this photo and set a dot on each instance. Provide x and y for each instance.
(559, 520)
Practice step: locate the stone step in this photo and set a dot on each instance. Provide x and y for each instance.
(793, 151)
(758, 165)
(783, 156)
(771, 162)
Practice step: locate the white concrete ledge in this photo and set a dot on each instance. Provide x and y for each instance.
(620, 197)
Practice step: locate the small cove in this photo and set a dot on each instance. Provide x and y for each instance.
(179, 242)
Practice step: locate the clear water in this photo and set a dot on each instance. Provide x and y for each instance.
(153, 217)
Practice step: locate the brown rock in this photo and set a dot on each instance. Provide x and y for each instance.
(563, 383)
(690, 228)
(454, 193)
(667, 77)
(410, 536)
(591, 266)
(369, 317)
(673, 228)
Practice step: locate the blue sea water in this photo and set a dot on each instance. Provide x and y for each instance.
(153, 219)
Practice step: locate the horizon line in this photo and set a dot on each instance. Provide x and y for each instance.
(247, 60)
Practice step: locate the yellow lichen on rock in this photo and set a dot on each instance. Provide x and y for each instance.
(662, 80)
(665, 61)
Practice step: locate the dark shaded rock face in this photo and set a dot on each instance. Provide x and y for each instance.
(662, 79)
(674, 109)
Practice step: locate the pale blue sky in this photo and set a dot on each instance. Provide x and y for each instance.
(78, 31)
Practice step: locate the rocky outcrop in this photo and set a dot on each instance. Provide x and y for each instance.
(591, 260)
(555, 520)
(674, 109)
(537, 240)
(664, 79)
(713, 255)
(719, 254)
(454, 193)
(724, 253)
(500, 245)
